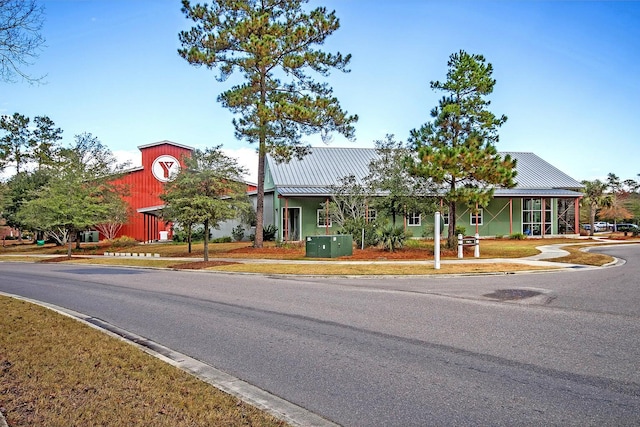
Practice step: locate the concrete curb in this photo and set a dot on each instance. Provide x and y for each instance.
(261, 399)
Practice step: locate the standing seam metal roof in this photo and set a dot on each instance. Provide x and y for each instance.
(325, 166)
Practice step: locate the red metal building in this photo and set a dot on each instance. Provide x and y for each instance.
(145, 184)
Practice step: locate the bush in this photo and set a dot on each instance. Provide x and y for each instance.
(391, 237)
(181, 235)
(124, 241)
(517, 236)
(238, 233)
(268, 233)
(223, 239)
(461, 230)
(354, 227)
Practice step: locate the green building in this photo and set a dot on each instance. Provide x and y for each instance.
(544, 202)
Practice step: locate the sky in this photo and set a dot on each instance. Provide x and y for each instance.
(567, 76)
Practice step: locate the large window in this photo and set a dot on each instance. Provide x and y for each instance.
(445, 218)
(536, 216)
(323, 219)
(414, 218)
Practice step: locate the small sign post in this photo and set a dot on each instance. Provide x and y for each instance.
(469, 241)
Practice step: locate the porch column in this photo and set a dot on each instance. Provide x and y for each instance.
(544, 214)
(286, 220)
(510, 216)
(404, 218)
(576, 208)
(326, 218)
(476, 218)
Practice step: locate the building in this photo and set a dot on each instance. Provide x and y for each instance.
(145, 184)
(544, 202)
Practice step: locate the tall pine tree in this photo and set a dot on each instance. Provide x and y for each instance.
(457, 148)
(272, 45)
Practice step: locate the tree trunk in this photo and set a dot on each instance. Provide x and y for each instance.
(452, 239)
(262, 153)
(206, 240)
(69, 245)
(189, 237)
(258, 240)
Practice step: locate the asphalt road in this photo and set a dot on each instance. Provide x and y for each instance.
(393, 351)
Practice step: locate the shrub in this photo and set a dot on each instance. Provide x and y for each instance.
(354, 227)
(238, 233)
(181, 235)
(461, 230)
(517, 236)
(124, 241)
(268, 233)
(223, 239)
(391, 237)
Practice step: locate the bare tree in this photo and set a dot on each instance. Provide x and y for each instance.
(20, 38)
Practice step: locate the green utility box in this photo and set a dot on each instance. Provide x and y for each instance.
(331, 246)
(89, 236)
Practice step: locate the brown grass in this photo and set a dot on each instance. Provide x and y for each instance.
(55, 371)
(373, 269)
(579, 256)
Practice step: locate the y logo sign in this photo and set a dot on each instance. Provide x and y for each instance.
(165, 167)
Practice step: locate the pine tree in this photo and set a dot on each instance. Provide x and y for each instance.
(271, 44)
(457, 148)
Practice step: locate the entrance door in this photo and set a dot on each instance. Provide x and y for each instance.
(290, 224)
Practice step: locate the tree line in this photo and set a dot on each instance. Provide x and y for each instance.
(56, 190)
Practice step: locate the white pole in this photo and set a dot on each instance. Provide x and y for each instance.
(476, 251)
(460, 251)
(436, 242)
(362, 241)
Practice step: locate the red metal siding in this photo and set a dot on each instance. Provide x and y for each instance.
(144, 189)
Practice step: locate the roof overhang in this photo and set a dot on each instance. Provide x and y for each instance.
(151, 210)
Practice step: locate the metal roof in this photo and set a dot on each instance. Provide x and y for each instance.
(325, 166)
(533, 172)
(153, 144)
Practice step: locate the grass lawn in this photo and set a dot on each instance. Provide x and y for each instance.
(56, 371)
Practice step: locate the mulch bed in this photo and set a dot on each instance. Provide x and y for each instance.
(62, 258)
(199, 265)
(368, 254)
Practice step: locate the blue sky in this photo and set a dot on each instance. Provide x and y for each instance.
(567, 75)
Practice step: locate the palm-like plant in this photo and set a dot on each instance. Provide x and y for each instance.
(595, 197)
(391, 237)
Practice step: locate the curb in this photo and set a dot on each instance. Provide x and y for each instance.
(257, 397)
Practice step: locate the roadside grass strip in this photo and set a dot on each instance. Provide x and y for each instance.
(374, 269)
(55, 371)
(578, 255)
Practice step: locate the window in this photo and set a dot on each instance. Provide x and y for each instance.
(535, 214)
(323, 220)
(445, 218)
(414, 218)
(472, 221)
(371, 215)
